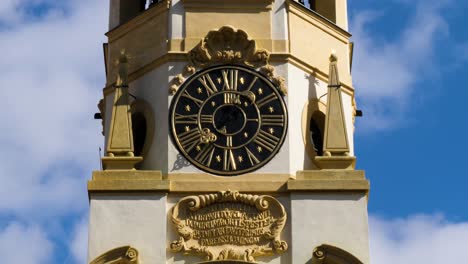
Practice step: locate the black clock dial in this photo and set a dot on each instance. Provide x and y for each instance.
(228, 120)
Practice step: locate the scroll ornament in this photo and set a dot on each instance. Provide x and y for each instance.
(120, 255)
(229, 225)
(226, 46)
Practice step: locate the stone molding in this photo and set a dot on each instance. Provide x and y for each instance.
(120, 255)
(330, 180)
(154, 181)
(127, 181)
(203, 5)
(229, 225)
(275, 57)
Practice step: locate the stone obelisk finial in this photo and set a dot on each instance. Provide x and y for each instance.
(119, 147)
(335, 144)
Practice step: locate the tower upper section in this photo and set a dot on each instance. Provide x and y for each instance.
(123, 10)
(307, 29)
(298, 36)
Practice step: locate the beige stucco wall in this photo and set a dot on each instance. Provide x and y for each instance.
(136, 220)
(142, 221)
(334, 219)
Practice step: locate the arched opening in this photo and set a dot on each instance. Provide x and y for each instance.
(131, 8)
(142, 127)
(308, 3)
(313, 124)
(139, 130)
(326, 8)
(316, 133)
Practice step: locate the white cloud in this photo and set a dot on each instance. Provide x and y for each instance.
(51, 77)
(18, 11)
(428, 239)
(79, 244)
(25, 244)
(387, 69)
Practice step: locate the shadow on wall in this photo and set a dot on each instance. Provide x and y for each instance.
(180, 163)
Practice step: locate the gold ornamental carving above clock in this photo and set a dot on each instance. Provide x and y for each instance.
(227, 45)
(228, 120)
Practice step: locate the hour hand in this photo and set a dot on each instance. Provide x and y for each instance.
(250, 95)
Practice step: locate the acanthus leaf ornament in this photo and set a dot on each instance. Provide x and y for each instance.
(226, 45)
(279, 81)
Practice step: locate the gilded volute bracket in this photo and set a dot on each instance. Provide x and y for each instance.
(229, 225)
(227, 45)
(120, 255)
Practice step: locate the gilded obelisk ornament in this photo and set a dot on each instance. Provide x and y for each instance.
(335, 143)
(120, 149)
(229, 225)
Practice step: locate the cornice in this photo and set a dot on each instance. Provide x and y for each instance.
(155, 10)
(274, 57)
(155, 181)
(244, 5)
(317, 20)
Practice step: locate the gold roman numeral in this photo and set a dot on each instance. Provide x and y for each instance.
(185, 119)
(195, 100)
(272, 120)
(266, 100)
(206, 155)
(252, 83)
(206, 118)
(229, 141)
(253, 160)
(231, 98)
(189, 139)
(266, 140)
(230, 78)
(208, 83)
(229, 160)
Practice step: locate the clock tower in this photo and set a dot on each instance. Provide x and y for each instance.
(228, 130)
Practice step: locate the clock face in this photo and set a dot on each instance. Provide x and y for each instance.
(228, 120)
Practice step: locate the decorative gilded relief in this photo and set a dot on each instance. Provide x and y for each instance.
(227, 45)
(229, 225)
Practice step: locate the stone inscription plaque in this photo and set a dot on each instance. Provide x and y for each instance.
(229, 225)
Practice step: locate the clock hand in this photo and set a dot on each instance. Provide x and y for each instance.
(250, 95)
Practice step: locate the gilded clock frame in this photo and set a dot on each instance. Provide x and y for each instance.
(197, 164)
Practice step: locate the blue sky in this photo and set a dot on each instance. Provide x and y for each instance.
(410, 76)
